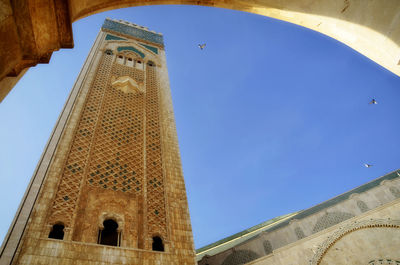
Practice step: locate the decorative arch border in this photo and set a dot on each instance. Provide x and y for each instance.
(342, 231)
(113, 216)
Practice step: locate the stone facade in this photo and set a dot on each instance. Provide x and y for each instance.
(113, 157)
(361, 226)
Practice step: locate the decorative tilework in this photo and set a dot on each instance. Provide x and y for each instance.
(331, 219)
(240, 257)
(353, 226)
(133, 31)
(384, 262)
(362, 206)
(112, 37)
(130, 48)
(299, 233)
(151, 48)
(395, 192)
(267, 247)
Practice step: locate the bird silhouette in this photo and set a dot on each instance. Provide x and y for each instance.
(368, 165)
(373, 101)
(201, 46)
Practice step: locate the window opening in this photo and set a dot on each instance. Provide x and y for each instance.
(109, 235)
(57, 232)
(157, 244)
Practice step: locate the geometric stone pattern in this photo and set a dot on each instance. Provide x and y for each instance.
(117, 154)
(155, 178)
(330, 219)
(342, 231)
(117, 145)
(267, 247)
(395, 192)
(384, 262)
(72, 177)
(240, 257)
(299, 233)
(362, 206)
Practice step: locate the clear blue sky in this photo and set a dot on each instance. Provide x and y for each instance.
(272, 118)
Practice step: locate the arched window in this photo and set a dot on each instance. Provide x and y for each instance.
(120, 59)
(157, 244)
(109, 235)
(129, 62)
(109, 52)
(57, 232)
(150, 63)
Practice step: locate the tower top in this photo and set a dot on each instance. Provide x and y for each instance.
(134, 30)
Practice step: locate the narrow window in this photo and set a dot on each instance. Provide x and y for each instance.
(109, 235)
(129, 62)
(157, 244)
(57, 232)
(120, 59)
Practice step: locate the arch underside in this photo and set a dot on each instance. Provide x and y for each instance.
(372, 28)
(369, 27)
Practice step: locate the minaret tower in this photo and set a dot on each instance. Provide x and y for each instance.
(109, 187)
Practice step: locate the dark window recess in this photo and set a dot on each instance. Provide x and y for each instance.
(157, 244)
(109, 235)
(57, 232)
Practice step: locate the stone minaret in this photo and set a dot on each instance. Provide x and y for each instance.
(109, 188)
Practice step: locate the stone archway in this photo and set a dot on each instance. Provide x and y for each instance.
(361, 243)
(30, 36)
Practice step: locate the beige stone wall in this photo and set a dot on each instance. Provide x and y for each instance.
(359, 240)
(298, 233)
(71, 190)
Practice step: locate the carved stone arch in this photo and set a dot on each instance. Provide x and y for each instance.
(151, 63)
(113, 216)
(323, 249)
(330, 219)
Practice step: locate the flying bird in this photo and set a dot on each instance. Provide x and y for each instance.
(201, 46)
(368, 165)
(373, 101)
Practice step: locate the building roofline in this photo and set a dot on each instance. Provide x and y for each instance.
(282, 221)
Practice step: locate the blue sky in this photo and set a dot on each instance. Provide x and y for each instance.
(272, 118)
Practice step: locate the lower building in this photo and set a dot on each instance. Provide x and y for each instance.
(361, 226)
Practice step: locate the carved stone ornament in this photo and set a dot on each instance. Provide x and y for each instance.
(126, 84)
(342, 231)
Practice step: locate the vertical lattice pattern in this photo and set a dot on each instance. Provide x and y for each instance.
(72, 176)
(267, 247)
(116, 161)
(331, 219)
(395, 192)
(156, 216)
(362, 206)
(299, 233)
(240, 257)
